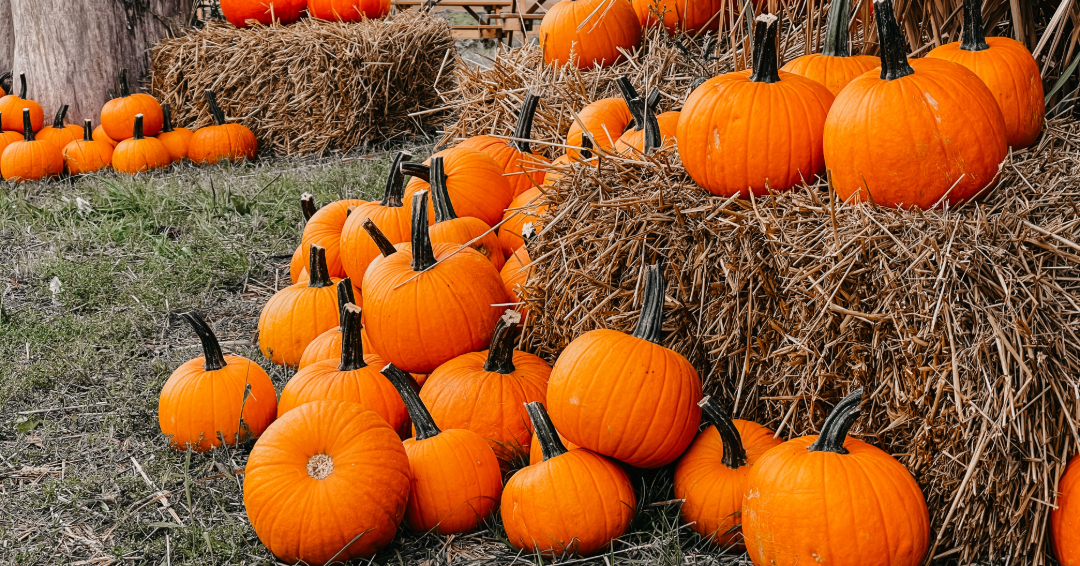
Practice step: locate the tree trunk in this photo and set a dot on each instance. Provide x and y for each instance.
(72, 50)
(7, 36)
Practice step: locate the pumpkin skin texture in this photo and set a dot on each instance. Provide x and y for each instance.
(711, 476)
(598, 41)
(524, 169)
(211, 144)
(307, 463)
(297, 314)
(176, 140)
(324, 229)
(635, 138)
(868, 510)
(204, 401)
(514, 275)
(626, 396)
(285, 11)
(8, 138)
(525, 209)
(474, 181)
(1008, 70)
(58, 133)
(1065, 520)
(680, 15)
(30, 159)
(605, 120)
(456, 480)
(86, 155)
(834, 67)
(118, 114)
(11, 110)
(953, 139)
(139, 154)
(348, 10)
(485, 392)
(296, 264)
(751, 131)
(424, 307)
(573, 502)
(449, 228)
(100, 135)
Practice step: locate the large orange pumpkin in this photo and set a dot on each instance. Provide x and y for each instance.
(1065, 519)
(211, 144)
(11, 110)
(867, 509)
(325, 228)
(58, 133)
(605, 121)
(86, 155)
(523, 168)
(1008, 69)
(238, 12)
(423, 309)
(449, 228)
(573, 502)
(118, 114)
(525, 209)
(949, 149)
(175, 139)
(834, 67)
(590, 31)
(348, 10)
(690, 16)
(297, 314)
(327, 481)
(30, 159)
(711, 476)
(755, 130)
(139, 154)
(485, 392)
(456, 480)
(207, 400)
(473, 179)
(625, 395)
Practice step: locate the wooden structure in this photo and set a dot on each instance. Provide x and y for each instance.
(495, 19)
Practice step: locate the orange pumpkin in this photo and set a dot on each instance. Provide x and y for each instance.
(211, 144)
(86, 155)
(206, 401)
(949, 150)
(473, 179)
(711, 476)
(523, 168)
(327, 481)
(605, 121)
(660, 129)
(456, 481)
(588, 31)
(7, 138)
(514, 274)
(690, 16)
(30, 159)
(348, 10)
(176, 140)
(1065, 519)
(526, 209)
(101, 136)
(485, 392)
(451, 229)
(58, 133)
(327, 346)
(325, 228)
(446, 303)
(574, 502)
(625, 395)
(1008, 69)
(296, 315)
(139, 154)
(238, 12)
(11, 110)
(834, 67)
(880, 518)
(118, 114)
(754, 131)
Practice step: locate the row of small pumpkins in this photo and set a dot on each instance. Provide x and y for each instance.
(238, 12)
(136, 135)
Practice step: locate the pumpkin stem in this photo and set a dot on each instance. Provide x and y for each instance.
(380, 239)
(124, 92)
(214, 360)
(765, 57)
(652, 139)
(734, 454)
(632, 100)
(395, 181)
(523, 129)
(421, 417)
(974, 35)
(166, 112)
(418, 170)
(586, 146)
(344, 297)
(317, 269)
(651, 324)
(307, 206)
(87, 134)
(215, 110)
(550, 444)
(138, 130)
(28, 129)
(837, 425)
(423, 255)
(352, 341)
(894, 63)
(22, 85)
(836, 35)
(501, 352)
(440, 196)
(58, 121)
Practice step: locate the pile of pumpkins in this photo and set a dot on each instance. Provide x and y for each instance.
(769, 129)
(136, 135)
(283, 12)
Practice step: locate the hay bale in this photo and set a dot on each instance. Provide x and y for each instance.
(311, 87)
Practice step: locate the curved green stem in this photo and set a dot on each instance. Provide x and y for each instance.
(380, 239)
(523, 129)
(765, 58)
(974, 34)
(395, 181)
(214, 359)
(440, 195)
(550, 444)
(423, 254)
(352, 340)
(894, 63)
(734, 454)
(836, 34)
(840, 421)
(500, 357)
(418, 170)
(651, 323)
(421, 417)
(318, 272)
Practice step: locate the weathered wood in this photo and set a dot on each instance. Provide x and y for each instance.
(72, 50)
(7, 35)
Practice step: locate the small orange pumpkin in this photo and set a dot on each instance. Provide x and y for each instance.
(86, 155)
(473, 179)
(348, 10)
(1065, 518)
(7, 138)
(523, 168)
(11, 110)
(456, 480)
(118, 114)
(834, 67)
(175, 139)
(526, 209)
(605, 121)
(206, 401)
(296, 315)
(30, 159)
(449, 228)
(591, 30)
(139, 154)
(58, 133)
(101, 136)
(238, 12)
(211, 144)
(689, 16)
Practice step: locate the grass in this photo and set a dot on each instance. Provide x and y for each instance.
(93, 276)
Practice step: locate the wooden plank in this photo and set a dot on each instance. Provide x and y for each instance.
(536, 17)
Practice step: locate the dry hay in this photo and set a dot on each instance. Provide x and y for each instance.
(311, 87)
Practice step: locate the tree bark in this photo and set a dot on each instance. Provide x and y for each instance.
(7, 36)
(72, 50)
